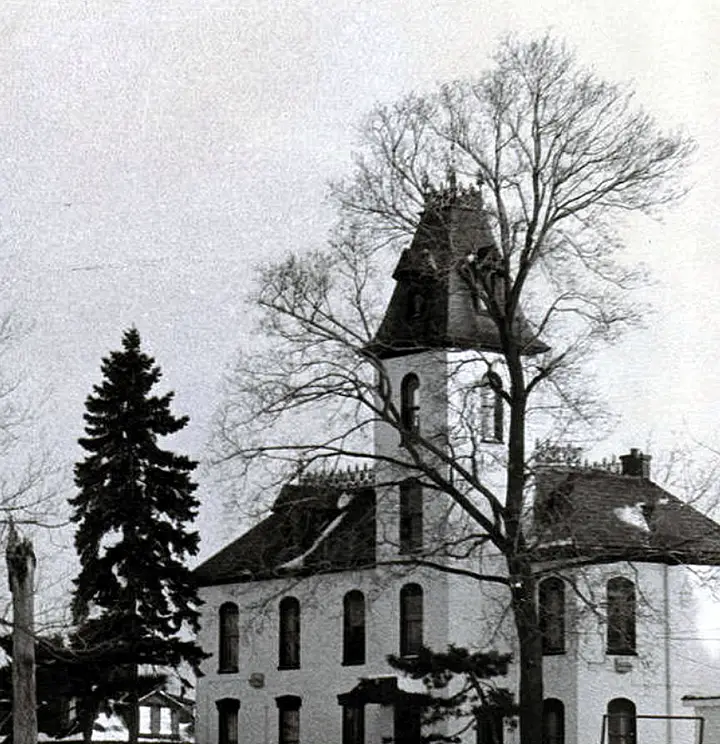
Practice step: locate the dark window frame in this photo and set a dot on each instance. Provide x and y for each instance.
(553, 730)
(551, 610)
(410, 403)
(353, 724)
(407, 721)
(288, 719)
(492, 409)
(411, 619)
(621, 721)
(228, 710)
(621, 617)
(490, 727)
(411, 516)
(289, 633)
(228, 638)
(354, 635)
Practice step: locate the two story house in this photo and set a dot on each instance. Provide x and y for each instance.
(301, 612)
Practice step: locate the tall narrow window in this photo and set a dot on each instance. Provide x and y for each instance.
(411, 516)
(227, 709)
(229, 638)
(410, 403)
(553, 722)
(289, 633)
(411, 619)
(491, 408)
(288, 719)
(354, 628)
(621, 722)
(353, 724)
(551, 596)
(620, 616)
(408, 722)
(490, 727)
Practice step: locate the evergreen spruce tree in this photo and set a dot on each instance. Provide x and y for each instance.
(471, 701)
(134, 595)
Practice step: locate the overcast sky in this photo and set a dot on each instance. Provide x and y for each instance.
(153, 151)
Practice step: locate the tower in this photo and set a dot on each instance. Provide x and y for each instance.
(437, 340)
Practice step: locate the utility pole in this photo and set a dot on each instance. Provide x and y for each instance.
(20, 558)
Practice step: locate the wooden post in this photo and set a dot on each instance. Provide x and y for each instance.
(21, 571)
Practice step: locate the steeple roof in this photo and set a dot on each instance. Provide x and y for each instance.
(436, 303)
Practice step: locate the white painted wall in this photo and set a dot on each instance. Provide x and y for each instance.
(322, 675)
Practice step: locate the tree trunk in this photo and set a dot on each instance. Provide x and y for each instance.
(21, 571)
(530, 653)
(522, 587)
(87, 729)
(133, 718)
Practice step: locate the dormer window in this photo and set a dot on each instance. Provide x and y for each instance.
(491, 408)
(410, 403)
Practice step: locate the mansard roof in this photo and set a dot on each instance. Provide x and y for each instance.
(599, 516)
(437, 299)
(314, 527)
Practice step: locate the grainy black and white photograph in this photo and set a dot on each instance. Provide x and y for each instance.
(358, 372)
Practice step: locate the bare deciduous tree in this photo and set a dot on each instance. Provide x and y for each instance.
(554, 158)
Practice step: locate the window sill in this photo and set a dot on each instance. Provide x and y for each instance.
(354, 663)
(228, 670)
(287, 667)
(558, 652)
(620, 653)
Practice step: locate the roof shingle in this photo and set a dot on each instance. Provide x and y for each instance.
(601, 516)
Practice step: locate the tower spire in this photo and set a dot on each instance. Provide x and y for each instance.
(437, 301)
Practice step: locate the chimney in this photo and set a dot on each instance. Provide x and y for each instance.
(636, 464)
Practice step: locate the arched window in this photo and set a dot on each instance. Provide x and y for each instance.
(620, 616)
(551, 600)
(229, 638)
(411, 516)
(227, 709)
(288, 719)
(354, 628)
(416, 306)
(289, 633)
(621, 722)
(411, 619)
(553, 722)
(491, 408)
(409, 403)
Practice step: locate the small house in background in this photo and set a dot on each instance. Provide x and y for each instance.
(164, 718)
